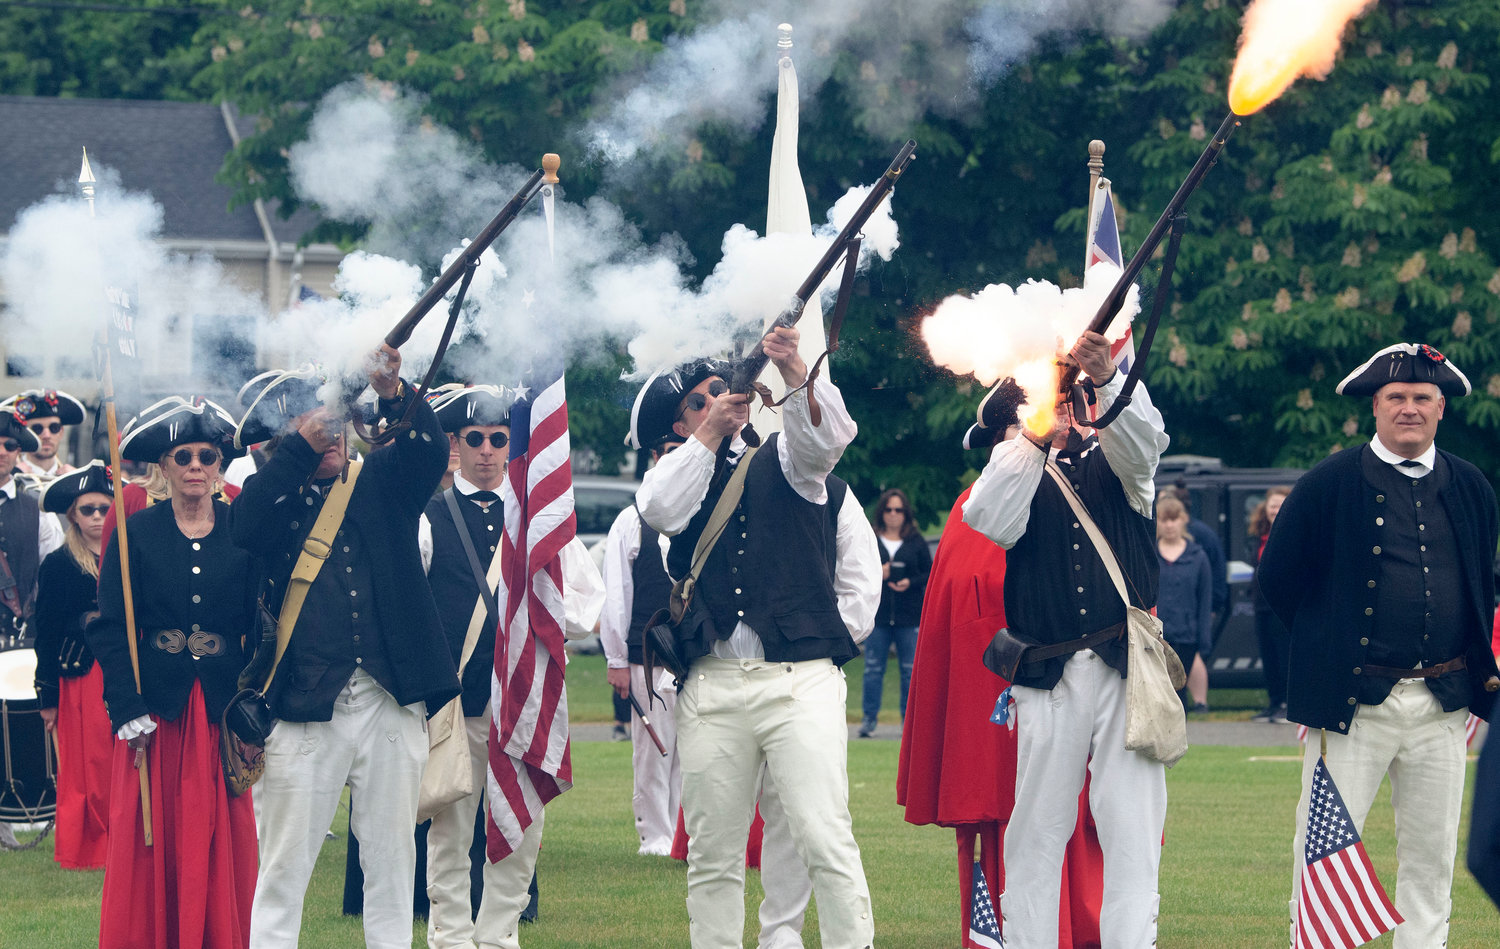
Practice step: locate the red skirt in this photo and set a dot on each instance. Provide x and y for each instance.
(192, 888)
(84, 743)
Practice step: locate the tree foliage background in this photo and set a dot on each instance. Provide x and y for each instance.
(1350, 214)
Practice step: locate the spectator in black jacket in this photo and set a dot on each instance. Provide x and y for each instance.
(367, 655)
(1184, 604)
(904, 564)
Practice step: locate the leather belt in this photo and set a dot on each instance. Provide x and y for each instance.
(200, 643)
(1425, 672)
(1053, 650)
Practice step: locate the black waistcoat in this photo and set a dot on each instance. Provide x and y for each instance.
(1420, 593)
(772, 569)
(650, 589)
(1056, 587)
(19, 530)
(455, 590)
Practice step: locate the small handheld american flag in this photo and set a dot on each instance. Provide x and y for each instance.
(1340, 902)
(984, 928)
(529, 754)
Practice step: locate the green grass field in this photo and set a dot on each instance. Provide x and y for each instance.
(1226, 867)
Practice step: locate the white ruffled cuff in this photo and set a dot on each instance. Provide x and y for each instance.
(136, 727)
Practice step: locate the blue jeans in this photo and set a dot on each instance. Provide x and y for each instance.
(877, 648)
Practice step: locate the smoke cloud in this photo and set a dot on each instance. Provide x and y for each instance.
(912, 57)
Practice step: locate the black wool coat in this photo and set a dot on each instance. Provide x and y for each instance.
(270, 518)
(1317, 573)
(65, 596)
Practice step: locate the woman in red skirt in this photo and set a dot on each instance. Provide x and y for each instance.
(194, 603)
(69, 683)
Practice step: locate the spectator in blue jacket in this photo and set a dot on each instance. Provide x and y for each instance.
(1185, 601)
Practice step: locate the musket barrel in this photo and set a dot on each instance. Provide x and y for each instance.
(402, 331)
(1112, 304)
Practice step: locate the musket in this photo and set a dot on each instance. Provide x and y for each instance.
(748, 368)
(543, 177)
(1110, 308)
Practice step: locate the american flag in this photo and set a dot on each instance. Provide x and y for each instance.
(984, 928)
(1340, 903)
(528, 747)
(1104, 247)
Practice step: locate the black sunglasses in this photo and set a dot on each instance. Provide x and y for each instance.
(497, 439)
(89, 510)
(207, 457)
(53, 427)
(11, 444)
(897, 510)
(695, 401)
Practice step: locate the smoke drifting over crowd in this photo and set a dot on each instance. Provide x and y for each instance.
(939, 55)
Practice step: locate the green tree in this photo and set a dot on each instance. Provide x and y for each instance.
(124, 52)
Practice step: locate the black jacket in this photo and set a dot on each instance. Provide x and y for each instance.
(1317, 573)
(188, 586)
(1185, 599)
(65, 596)
(904, 608)
(272, 517)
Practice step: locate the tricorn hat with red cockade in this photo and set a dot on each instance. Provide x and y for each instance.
(1405, 362)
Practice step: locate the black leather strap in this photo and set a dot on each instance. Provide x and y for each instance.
(462, 527)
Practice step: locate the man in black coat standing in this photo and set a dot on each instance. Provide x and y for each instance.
(1380, 564)
(367, 656)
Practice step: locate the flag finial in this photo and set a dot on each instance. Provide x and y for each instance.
(784, 36)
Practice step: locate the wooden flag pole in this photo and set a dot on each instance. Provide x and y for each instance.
(107, 394)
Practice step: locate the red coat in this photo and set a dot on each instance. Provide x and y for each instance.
(958, 767)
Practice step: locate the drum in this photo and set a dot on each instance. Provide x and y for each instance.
(28, 783)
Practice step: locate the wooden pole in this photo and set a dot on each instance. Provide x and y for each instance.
(107, 394)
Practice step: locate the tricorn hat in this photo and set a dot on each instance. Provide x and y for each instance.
(13, 426)
(177, 421)
(274, 398)
(458, 406)
(1405, 362)
(655, 409)
(62, 491)
(998, 411)
(45, 403)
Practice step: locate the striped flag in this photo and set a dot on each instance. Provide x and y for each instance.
(1104, 247)
(528, 745)
(1340, 903)
(984, 928)
(1471, 728)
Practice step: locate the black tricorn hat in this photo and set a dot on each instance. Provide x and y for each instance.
(177, 421)
(655, 409)
(62, 491)
(274, 398)
(45, 403)
(1405, 362)
(998, 411)
(12, 426)
(458, 406)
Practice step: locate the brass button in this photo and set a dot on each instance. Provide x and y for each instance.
(197, 569)
(1376, 550)
(1380, 499)
(1379, 522)
(1351, 702)
(1083, 612)
(197, 546)
(1358, 670)
(1369, 611)
(1364, 640)
(1370, 584)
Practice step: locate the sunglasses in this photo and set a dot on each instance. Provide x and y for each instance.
(207, 457)
(93, 510)
(695, 401)
(10, 444)
(897, 510)
(496, 439)
(52, 427)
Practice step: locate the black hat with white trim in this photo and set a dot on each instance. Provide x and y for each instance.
(12, 426)
(274, 398)
(1405, 362)
(62, 491)
(177, 421)
(657, 405)
(458, 406)
(45, 403)
(998, 411)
